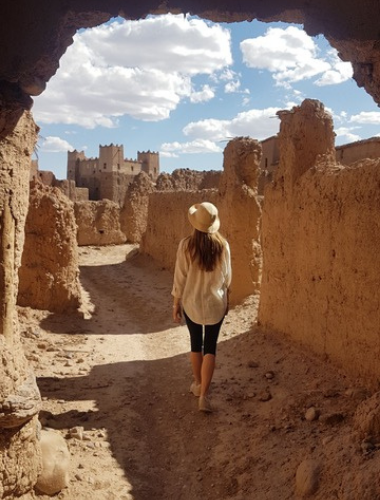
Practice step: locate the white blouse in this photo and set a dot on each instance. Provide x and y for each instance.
(203, 294)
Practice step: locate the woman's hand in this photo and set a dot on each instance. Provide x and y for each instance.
(177, 313)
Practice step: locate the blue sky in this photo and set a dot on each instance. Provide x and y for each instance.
(184, 86)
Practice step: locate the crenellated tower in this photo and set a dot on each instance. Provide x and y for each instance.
(73, 160)
(111, 158)
(150, 163)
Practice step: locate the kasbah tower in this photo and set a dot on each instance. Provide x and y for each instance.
(110, 175)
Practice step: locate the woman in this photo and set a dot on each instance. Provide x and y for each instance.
(201, 279)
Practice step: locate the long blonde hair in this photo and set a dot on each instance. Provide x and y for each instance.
(205, 249)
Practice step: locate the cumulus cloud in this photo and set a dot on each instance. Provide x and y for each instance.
(191, 147)
(366, 117)
(339, 71)
(204, 95)
(291, 55)
(345, 134)
(234, 88)
(53, 144)
(167, 154)
(256, 123)
(138, 68)
(214, 133)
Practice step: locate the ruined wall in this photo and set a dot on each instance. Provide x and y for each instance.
(134, 213)
(168, 223)
(98, 223)
(356, 151)
(320, 238)
(19, 396)
(49, 273)
(184, 178)
(29, 58)
(69, 189)
(113, 186)
(240, 214)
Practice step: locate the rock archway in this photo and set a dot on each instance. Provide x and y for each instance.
(33, 38)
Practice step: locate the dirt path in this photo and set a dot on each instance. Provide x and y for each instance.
(115, 384)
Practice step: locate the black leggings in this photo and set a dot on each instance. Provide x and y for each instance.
(211, 333)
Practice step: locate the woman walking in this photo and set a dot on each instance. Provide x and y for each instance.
(201, 279)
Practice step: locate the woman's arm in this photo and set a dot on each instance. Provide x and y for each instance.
(180, 276)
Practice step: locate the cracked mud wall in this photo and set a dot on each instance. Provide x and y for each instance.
(240, 214)
(98, 223)
(321, 240)
(19, 395)
(49, 274)
(167, 222)
(134, 212)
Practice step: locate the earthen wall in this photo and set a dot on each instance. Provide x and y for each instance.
(240, 213)
(320, 239)
(19, 396)
(356, 151)
(113, 186)
(49, 274)
(167, 222)
(98, 223)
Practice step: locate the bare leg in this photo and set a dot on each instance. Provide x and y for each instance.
(207, 372)
(196, 359)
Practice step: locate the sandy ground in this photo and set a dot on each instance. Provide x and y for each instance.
(115, 383)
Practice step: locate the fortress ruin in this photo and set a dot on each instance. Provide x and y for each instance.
(109, 175)
(319, 231)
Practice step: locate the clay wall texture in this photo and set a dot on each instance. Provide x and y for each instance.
(186, 179)
(49, 274)
(30, 57)
(113, 186)
(167, 222)
(134, 213)
(356, 151)
(320, 239)
(19, 396)
(98, 223)
(240, 212)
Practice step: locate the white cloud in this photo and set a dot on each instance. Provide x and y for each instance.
(139, 68)
(339, 72)
(291, 55)
(366, 117)
(256, 123)
(204, 95)
(192, 147)
(234, 87)
(166, 154)
(210, 128)
(345, 134)
(53, 144)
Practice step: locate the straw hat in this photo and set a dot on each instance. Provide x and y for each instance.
(204, 217)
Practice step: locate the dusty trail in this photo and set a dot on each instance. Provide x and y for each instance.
(115, 384)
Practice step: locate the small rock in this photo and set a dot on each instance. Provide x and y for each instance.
(76, 433)
(307, 477)
(269, 375)
(265, 396)
(311, 414)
